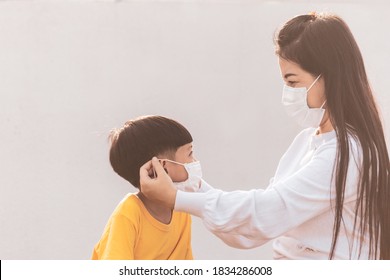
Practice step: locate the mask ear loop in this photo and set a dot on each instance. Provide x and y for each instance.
(314, 82)
(182, 164)
(165, 159)
(313, 85)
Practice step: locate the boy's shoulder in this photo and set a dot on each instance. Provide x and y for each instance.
(130, 206)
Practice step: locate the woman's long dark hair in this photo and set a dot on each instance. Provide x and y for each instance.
(323, 44)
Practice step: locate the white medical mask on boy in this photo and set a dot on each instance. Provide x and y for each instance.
(194, 171)
(295, 104)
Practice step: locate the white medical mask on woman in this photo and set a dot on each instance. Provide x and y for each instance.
(194, 171)
(295, 104)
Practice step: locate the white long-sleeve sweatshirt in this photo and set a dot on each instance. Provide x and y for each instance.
(296, 209)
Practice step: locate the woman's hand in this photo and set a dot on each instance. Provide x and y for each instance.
(158, 188)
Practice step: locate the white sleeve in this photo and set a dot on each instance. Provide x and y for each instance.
(232, 215)
(204, 187)
(247, 219)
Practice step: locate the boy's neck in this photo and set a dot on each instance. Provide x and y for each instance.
(159, 212)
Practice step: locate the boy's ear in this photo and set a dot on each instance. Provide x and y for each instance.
(163, 163)
(166, 170)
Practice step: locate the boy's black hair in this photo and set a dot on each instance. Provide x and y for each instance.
(142, 138)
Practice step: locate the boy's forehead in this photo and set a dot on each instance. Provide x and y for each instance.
(185, 147)
(183, 152)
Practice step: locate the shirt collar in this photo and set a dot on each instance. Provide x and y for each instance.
(319, 139)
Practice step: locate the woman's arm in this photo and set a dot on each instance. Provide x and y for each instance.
(247, 219)
(242, 219)
(219, 210)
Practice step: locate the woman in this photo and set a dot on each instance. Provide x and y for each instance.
(330, 196)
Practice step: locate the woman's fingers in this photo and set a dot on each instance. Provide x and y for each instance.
(160, 188)
(158, 168)
(145, 171)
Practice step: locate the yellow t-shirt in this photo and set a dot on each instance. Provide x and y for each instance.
(132, 233)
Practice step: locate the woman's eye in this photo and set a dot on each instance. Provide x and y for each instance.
(291, 83)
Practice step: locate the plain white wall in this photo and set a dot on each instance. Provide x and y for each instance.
(72, 70)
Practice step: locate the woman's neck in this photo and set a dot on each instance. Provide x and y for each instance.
(325, 127)
(159, 212)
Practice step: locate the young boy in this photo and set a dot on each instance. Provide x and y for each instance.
(138, 228)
